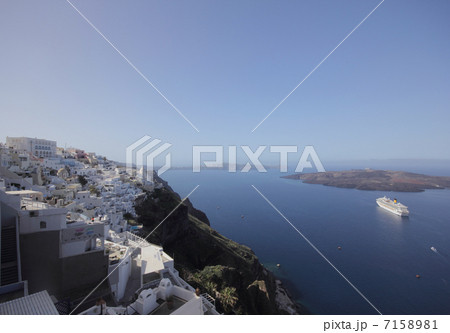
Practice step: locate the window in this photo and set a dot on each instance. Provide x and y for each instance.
(43, 225)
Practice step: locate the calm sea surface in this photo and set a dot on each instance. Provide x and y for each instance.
(381, 253)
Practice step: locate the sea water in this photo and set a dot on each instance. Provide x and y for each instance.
(380, 253)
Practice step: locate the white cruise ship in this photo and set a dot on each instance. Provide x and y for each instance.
(393, 206)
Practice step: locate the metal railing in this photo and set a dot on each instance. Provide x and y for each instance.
(208, 299)
(138, 241)
(209, 304)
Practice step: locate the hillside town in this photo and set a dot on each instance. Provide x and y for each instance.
(70, 243)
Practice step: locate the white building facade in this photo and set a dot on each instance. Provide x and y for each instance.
(38, 147)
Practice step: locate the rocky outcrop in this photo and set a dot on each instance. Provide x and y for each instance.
(375, 180)
(228, 271)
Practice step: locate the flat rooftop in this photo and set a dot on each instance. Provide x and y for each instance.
(115, 251)
(23, 192)
(165, 309)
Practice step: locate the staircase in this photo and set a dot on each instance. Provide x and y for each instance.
(9, 272)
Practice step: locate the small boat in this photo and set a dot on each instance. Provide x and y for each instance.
(242, 216)
(433, 249)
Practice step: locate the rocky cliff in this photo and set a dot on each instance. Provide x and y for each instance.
(228, 271)
(375, 180)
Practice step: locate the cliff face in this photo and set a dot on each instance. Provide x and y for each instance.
(228, 271)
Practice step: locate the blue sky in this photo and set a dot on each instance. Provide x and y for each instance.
(383, 94)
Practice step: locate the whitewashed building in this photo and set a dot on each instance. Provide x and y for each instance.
(35, 146)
